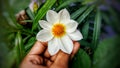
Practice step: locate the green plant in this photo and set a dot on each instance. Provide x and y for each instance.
(92, 16)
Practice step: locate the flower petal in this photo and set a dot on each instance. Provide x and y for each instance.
(52, 16)
(76, 35)
(53, 46)
(44, 36)
(67, 46)
(31, 5)
(44, 24)
(64, 16)
(71, 26)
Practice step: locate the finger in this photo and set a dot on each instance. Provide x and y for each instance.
(75, 49)
(31, 61)
(38, 48)
(30, 65)
(49, 63)
(46, 54)
(53, 58)
(62, 57)
(35, 59)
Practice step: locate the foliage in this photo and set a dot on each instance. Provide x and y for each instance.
(93, 16)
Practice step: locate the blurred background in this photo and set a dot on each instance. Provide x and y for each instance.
(99, 22)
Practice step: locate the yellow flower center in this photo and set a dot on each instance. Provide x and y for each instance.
(58, 30)
(35, 7)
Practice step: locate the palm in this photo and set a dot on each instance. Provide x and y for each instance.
(39, 57)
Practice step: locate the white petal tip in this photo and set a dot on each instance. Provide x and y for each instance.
(50, 11)
(52, 52)
(68, 51)
(38, 39)
(80, 38)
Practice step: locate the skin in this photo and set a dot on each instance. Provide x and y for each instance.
(39, 57)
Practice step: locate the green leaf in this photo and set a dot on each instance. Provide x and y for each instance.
(30, 14)
(10, 58)
(20, 51)
(42, 12)
(30, 43)
(10, 10)
(7, 57)
(107, 54)
(67, 2)
(18, 5)
(106, 19)
(88, 2)
(78, 12)
(85, 30)
(115, 20)
(81, 60)
(27, 21)
(85, 14)
(97, 28)
(26, 38)
(84, 43)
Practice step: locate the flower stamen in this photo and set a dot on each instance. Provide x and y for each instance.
(58, 30)
(35, 7)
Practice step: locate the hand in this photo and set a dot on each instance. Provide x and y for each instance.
(39, 57)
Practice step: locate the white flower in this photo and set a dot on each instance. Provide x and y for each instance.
(34, 5)
(59, 31)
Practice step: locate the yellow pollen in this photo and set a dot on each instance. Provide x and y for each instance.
(35, 7)
(58, 30)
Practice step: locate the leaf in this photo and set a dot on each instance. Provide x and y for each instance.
(42, 12)
(20, 51)
(88, 2)
(30, 43)
(5, 55)
(115, 20)
(10, 10)
(84, 43)
(26, 38)
(27, 21)
(78, 12)
(85, 14)
(85, 30)
(67, 2)
(96, 31)
(106, 19)
(81, 60)
(18, 5)
(107, 54)
(30, 14)
(10, 59)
